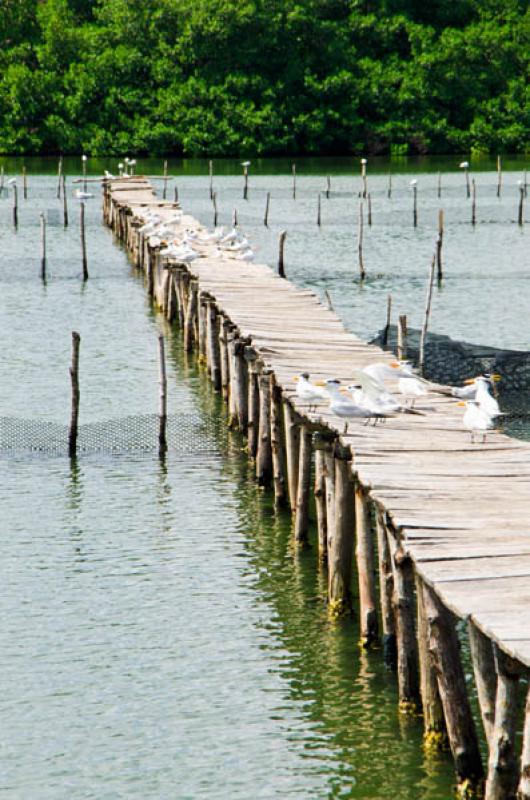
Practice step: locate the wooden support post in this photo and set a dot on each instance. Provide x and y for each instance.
(426, 315)
(210, 173)
(328, 187)
(341, 535)
(83, 240)
(363, 177)
(203, 339)
(362, 273)
(319, 211)
(172, 304)
(281, 267)
(474, 204)
(15, 206)
(329, 482)
(499, 176)
(389, 191)
(245, 183)
(364, 554)
(386, 592)
(83, 162)
(523, 791)
(59, 177)
(2, 179)
(232, 397)
(212, 335)
(239, 387)
(406, 640)
(439, 192)
(267, 206)
(176, 194)
(445, 652)
(191, 312)
(485, 676)
(164, 191)
(320, 497)
(65, 203)
(43, 247)
(520, 213)
(215, 212)
(301, 522)
(415, 206)
(439, 244)
(234, 218)
(264, 453)
(292, 451)
(386, 330)
(224, 365)
(25, 182)
(503, 767)
(468, 191)
(434, 735)
(277, 445)
(402, 337)
(74, 378)
(293, 171)
(162, 417)
(253, 403)
(369, 210)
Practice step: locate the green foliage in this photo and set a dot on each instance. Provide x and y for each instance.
(235, 77)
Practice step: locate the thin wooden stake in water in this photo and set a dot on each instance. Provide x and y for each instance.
(162, 433)
(210, 173)
(215, 214)
(525, 184)
(281, 267)
(267, 205)
(363, 176)
(43, 247)
(293, 170)
(369, 209)
(328, 300)
(83, 241)
(439, 184)
(328, 187)
(389, 192)
(25, 182)
(15, 205)
(74, 378)
(59, 175)
(439, 244)
(176, 194)
(84, 160)
(468, 191)
(319, 211)
(234, 218)
(384, 340)
(65, 203)
(499, 176)
(520, 212)
(473, 202)
(2, 178)
(164, 191)
(415, 206)
(245, 185)
(362, 273)
(426, 316)
(402, 337)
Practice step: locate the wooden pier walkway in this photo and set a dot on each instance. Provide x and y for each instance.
(444, 523)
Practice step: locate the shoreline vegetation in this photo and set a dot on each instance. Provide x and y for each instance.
(222, 78)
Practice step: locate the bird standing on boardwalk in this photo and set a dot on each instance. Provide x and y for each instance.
(308, 392)
(476, 420)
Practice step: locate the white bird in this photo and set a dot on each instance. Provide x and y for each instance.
(476, 419)
(347, 409)
(374, 390)
(308, 392)
(248, 255)
(234, 247)
(179, 253)
(364, 161)
(11, 181)
(79, 195)
(109, 175)
(414, 182)
(211, 237)
(464, 165)
(410, 385)
(245, 163)
(464, 392)
(483, 397)
(84, 158)
(231, 236)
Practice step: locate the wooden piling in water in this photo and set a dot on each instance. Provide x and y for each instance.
(386, 330)
(277, 447)
(224, 366)
(319, 210)
(362, 272)
(363, 178)
(439, 186)
(59, 177)
(503, 767)
(215, 213)
(439, 245)
(406, 639)
(162, 415)
(234, 218)
(485, 676)
(212, 335)
(191, 313)
(520, 213)
(415, 206)
(76, 395)
(65, 203)
(293, 172)
(328, 187)
(369, 210)
(474, 203)
(292, 452)
(341, 534)
(25, 182)
(499, 176)
(389, 190)
(386, 591)
(402, 337)
(2, 179)
(15, 206)
(253, 403)
(445, 652)
(281, 246)
(43, 247)
(434, 733)
(301, 521)
(320, 497)
(210, 174)
(245, 182)
(523, 790)
(264, 451)
(239, 382)
(267, 206)
(426, 315)
(364, 554)
(83, 240)
(165, 178)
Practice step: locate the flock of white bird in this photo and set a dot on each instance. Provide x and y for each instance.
(369, 398)
(188, 245)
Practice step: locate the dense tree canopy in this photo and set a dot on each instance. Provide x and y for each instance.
(222, 77)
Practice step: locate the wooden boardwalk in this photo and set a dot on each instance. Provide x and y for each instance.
(460, 511)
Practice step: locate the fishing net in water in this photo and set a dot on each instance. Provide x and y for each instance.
(186, 434)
